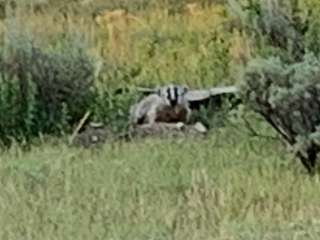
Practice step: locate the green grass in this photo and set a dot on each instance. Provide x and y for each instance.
(226, 186)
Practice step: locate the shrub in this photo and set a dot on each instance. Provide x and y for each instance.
(113, 96)
(288, 97)
(42, 89)
(279, 26)
(285, 89)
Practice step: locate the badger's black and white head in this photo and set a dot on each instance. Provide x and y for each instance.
(173, 94)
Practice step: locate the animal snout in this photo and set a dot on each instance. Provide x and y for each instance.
(173, 102)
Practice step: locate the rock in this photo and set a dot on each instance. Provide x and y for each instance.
(200, 127)
(93, 136)
(180, 125)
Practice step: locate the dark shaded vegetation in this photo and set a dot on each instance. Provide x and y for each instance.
(43, 90)
(288, 97)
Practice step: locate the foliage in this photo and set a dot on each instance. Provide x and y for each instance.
(313, 33)
(278, 25)
(114, 95)
(42, 90)
(216, 112)
(282, 84)
(287, 95)
(113, 109)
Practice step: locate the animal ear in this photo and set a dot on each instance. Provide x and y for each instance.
(185, 89)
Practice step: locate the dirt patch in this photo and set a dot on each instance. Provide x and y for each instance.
(95, 136)
(168, 130)
(92, 136)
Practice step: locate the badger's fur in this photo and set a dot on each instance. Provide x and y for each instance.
(168, 104)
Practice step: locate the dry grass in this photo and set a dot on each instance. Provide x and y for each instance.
(241, 48)
(167, 47)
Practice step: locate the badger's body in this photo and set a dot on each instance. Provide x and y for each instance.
(167, 105)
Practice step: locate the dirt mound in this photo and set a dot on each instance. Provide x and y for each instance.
(168, 130)
(95, 136)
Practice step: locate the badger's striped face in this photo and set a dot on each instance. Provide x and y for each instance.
(173, 94)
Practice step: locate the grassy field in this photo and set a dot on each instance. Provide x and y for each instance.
(159, 47)
(229, 185)
(225, 186)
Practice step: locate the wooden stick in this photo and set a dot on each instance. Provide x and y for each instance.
(79, 126)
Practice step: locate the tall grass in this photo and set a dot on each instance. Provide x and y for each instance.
(180, 47)
(228, 186)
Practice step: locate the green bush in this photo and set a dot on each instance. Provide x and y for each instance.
(288, 97)
(278, 27)
(114, 96)
(42, 89)
(282, 84)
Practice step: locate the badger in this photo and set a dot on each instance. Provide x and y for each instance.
(168, 104)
